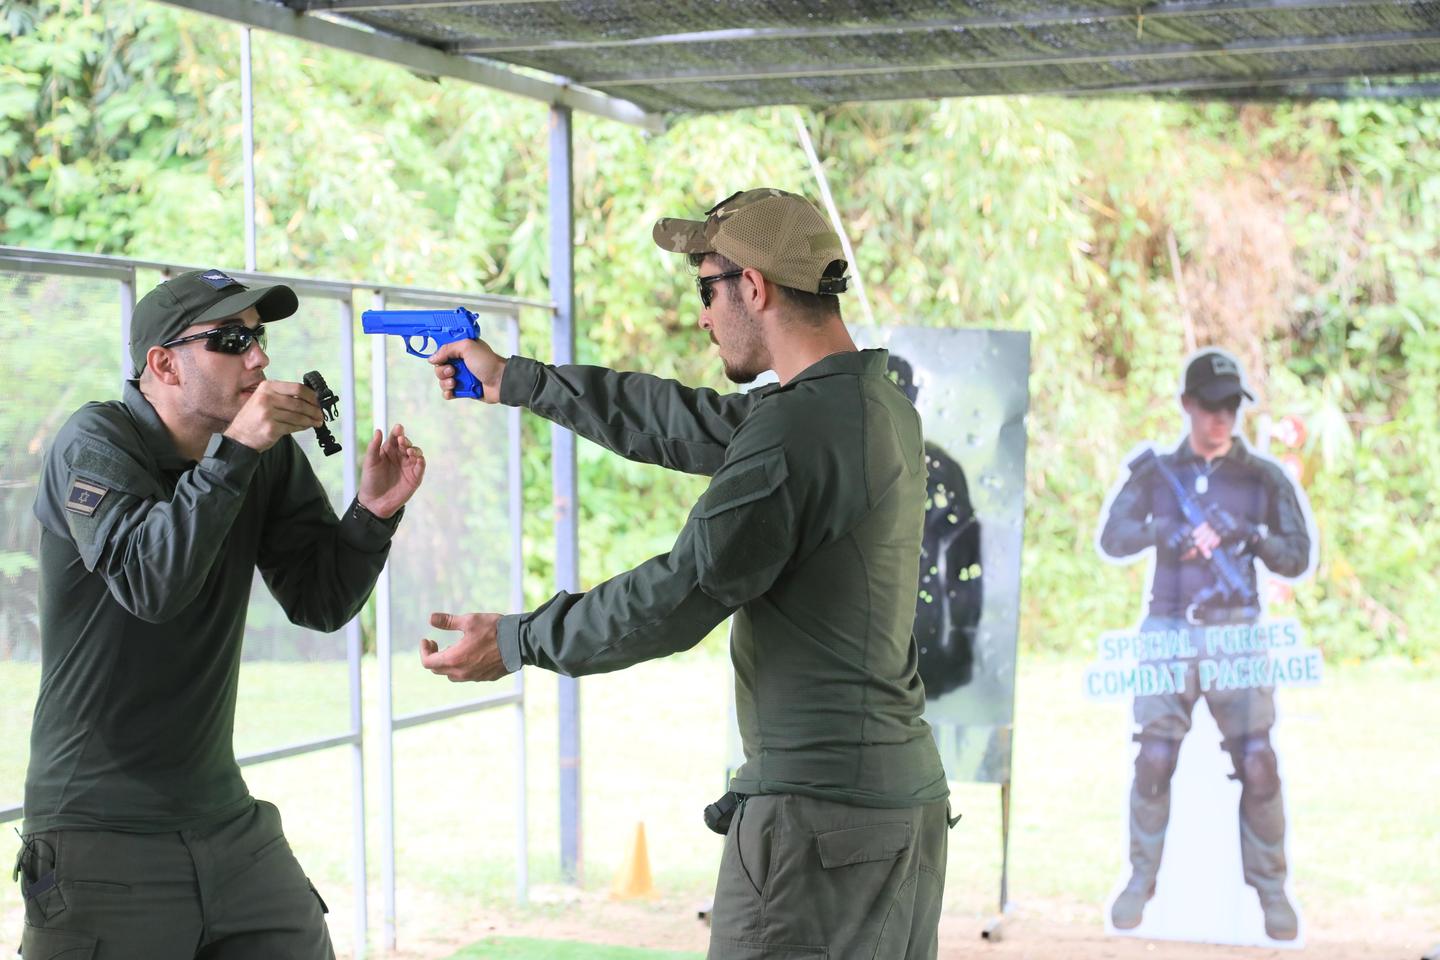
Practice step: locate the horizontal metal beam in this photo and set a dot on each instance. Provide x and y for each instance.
(1051, 17)
(11, 813)
(1363, 91)
(456, 710)
(415, 55)
(350, 6)
(68, 264)
(1205, 85)
(296, 749)
(119, 268)
(1242, 48)
(508, 306)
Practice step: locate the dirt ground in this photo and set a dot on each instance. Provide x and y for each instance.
(1034, 932)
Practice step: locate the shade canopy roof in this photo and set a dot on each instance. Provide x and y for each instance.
(643, 60)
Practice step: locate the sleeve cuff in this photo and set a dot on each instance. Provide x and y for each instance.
(231, 463)
(508, 636)
(521, 377)
(366, 532)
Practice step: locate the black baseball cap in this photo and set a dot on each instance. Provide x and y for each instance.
(1214, 376)
(200, 296)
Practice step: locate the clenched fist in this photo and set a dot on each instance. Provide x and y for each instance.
(275, 409)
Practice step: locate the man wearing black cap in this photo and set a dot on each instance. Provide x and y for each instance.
(809, 533)
(1254, 516)
(141, 839)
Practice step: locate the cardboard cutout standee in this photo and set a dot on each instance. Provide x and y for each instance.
(1217, 520)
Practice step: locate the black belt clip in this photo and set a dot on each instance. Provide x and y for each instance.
(719, 814)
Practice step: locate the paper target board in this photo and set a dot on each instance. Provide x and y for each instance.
(971, 388)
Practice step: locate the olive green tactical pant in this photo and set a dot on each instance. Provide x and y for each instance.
(229, 892)
(807, 878)
(1238, 714)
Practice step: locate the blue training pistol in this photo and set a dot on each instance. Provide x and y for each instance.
(424, 332)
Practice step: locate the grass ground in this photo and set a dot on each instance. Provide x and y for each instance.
(528, 948)
(1361, 760)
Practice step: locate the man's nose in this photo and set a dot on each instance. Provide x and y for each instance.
(257, 358)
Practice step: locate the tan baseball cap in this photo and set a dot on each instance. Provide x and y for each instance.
(778, 233)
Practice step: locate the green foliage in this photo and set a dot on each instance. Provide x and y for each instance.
(1117, 232)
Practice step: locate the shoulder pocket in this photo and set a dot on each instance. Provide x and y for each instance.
(744, 526)
(753, 478)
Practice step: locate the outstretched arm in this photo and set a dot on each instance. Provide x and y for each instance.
(641, 417)
(737, 541)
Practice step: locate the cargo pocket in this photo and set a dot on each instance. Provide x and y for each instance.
(324, 908)
(38, 943)
(875, 841)
(724, 948)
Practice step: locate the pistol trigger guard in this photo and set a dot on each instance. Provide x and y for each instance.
(425, 341)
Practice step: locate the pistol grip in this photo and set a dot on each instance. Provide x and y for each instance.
(465, 383)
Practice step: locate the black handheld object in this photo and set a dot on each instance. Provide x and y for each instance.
(719, 814)
(1231, 590)
(328, 401)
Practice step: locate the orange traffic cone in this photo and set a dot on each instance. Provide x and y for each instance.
(633, 881)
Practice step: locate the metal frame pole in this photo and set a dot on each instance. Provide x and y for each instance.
(563, 467)
(517, 604)
(247, 137)
(378, 395)
(354, 644)
(127, 310)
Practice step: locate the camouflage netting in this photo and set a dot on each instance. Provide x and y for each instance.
(702, 55)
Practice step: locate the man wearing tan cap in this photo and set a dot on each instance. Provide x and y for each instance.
(809, 535)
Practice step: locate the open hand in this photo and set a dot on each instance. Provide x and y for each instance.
(475, 656)
(391, 474)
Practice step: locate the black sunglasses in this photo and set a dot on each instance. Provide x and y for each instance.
(707, 295)
(1227, 405)
(233, 338)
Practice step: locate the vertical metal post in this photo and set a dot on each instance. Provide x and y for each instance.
(517, 604)
(564, 477)
(247, 137)
(1004, 845)
(378, 391)
(127, 310)
(354, 645)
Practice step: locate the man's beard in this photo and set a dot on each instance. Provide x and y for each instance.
(206, 403)
(743, 371)
(740, 375)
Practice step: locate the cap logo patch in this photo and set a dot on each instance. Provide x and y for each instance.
(85, 497)
(218, 279)
(1224, 367)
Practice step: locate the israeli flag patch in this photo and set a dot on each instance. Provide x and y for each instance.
(85, 497)
(219, 279)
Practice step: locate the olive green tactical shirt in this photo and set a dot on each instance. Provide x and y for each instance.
(809, 534)
(146, 563)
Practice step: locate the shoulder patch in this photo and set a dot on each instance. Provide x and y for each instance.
(85, 497)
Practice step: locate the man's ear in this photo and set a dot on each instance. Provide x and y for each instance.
(162, 365)
(759, 296)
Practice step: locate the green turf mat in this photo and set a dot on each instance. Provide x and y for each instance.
(524, 948)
